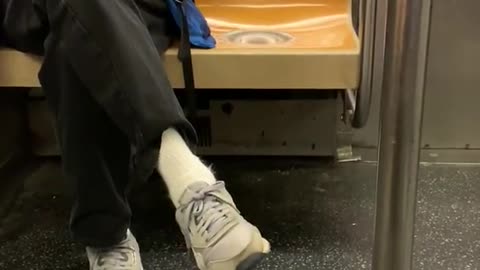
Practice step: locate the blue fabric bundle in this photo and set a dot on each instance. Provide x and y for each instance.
(198, 29)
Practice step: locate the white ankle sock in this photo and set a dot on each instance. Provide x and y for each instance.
(179, 167)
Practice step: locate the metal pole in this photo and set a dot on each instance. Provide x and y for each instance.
(367, 30)
(408, 24)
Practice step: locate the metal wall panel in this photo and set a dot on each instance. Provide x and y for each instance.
(453, 77)
(453, 80)
(273, 127)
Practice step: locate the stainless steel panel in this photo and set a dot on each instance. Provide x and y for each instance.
(453, 79)
(273, 127)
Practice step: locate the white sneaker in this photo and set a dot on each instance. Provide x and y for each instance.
(219, 237)
(123, 256)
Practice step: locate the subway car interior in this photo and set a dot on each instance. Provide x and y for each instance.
(346, 130)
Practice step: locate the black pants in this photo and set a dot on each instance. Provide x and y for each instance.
(104, 80)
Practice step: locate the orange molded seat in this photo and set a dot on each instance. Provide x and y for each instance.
(262, 44)
(312, 24)
(18, 69)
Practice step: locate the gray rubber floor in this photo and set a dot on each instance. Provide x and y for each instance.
(317, 216)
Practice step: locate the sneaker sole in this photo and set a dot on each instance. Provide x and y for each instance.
(252, 261)
(249, 263)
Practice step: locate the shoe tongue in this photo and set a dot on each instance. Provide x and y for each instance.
(197, 186)
(191, 191)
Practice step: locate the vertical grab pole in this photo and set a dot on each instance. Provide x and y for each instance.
(408, 23)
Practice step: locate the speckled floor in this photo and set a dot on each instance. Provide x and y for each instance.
(316, 216)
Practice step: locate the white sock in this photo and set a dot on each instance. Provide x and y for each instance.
(179, 167)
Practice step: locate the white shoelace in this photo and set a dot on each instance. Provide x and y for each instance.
(205, 213)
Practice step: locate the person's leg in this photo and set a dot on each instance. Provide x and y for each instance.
(103, 48)
(21, 26)
(220, 238)
(94, 120)
(96, 154)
